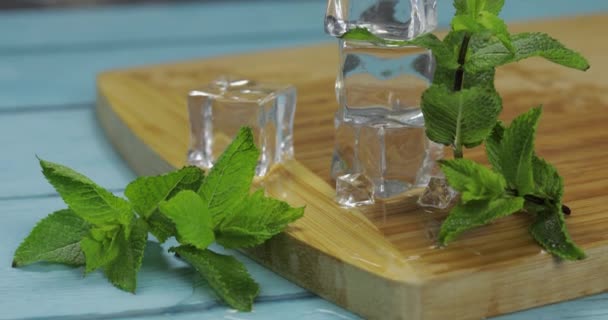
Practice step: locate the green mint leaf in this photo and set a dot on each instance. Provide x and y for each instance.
(497, 27)
(548, 184)
(145, 193)
(494, 6)
(91, 202)
(446, 73)
(259, 219)
(226, 276)
(493, 146)
(467, 24)
(160, 226)
(100, 247)
(55, 238)
(484, 22)
(230, 178)
(191, 217)
(472, 180)
(455, 117)
(517, 149)
(443, 55)
(549, 230)
(477, 213)
(122, 271)
(525, 45)
(362, 34)
(474, 7)
(477, 6)
(461, 7)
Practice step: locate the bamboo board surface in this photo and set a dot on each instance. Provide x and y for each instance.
(382, 262)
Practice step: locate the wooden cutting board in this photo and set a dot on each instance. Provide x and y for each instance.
(382, 262)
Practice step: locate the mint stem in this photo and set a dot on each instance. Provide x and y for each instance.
(458, 84)
(538, 200)
(534, 199)
(464, 47)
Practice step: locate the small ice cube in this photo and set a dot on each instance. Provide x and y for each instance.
(438, 194)
(354, 190)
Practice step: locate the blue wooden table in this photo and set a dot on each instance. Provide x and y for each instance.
(48, 63)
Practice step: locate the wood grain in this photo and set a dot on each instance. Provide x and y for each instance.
(382, 262)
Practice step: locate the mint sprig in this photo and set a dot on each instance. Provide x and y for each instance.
(103, 231)
(461, 109)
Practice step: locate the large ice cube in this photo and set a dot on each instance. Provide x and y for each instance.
(382, 83)
(395, 157)
(219, 110)
(389, 19)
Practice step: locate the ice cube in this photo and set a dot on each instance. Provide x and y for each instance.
(354, 190)
(382, 83)
(438, 194)
(389, 19)
(218, 111)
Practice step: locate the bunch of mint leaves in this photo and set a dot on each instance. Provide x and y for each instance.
(102, 231)
(461, 109)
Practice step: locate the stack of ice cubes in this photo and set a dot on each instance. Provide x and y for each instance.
(381, 149)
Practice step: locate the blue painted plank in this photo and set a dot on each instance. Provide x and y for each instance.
(72, 137)
(180, 22)
(312, 308)
(57, 79)
(165, 284)
(159, 23)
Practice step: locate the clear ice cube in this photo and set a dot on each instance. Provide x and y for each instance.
(388, 19)
(354, 190)
(379, 127)
(383, 84)
(395, 158)
(218, 111)
(438, 194)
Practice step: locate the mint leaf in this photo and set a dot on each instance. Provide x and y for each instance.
(445, 73)
(472, 180)
(191, 217)
(493, 146)
(482, 22)
(86, 199)
(225, 275)
(461, 7)
(494, 6)
(122, 271)
(517, 149)
(230, 178)
(477, 213)
(454, 118)
(497, 27)
(100, 247)
(549, 230)
(478, 6)
(145, 193)
(258, 219)
(55, 238)
(525, 45)
(548, 184)
(160, 226)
